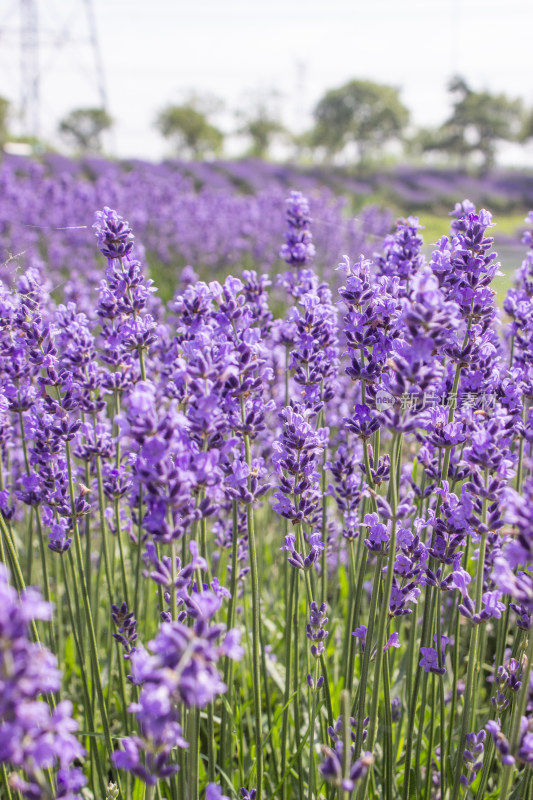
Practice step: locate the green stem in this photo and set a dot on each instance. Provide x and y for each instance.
(388, 751)
(346, 742)
(84, 681)
(139, 553)
(324, 576)
(256, 622)
(5, 781)
(428, 607)
(472, 660)
(296, 680)
(122, 554)
(194, 736)
(429, 748)
(366, 661)
(97, 677)
(311, 781)
(384, 611)
(353, 617)
(18, 572)
(442, 709)
(521, 704)
(225, 731)
(288, 679)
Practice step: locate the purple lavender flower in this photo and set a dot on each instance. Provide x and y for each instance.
(401, 251)
(500, 741)
(181, 669)
(115, 238)
(214, 792)
(378, 534)
(396, 709)
(317, 634)
(127, 628)
(525, 743)
(331, 767)
(363, 423)
(473, 756)
(360, 633)
(299, 249)
(295, 461)
(429, 660)
(33, 738)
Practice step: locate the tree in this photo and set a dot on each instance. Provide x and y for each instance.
(84, 127)
(188, 127)
(478, 121)
(4, 120)
(361, 112)
(260, 124)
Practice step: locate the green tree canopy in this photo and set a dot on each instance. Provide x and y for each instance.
(5, 106)
(260, 123)
(83, 128)
(188, 127)
(478, 121)
(361, 112)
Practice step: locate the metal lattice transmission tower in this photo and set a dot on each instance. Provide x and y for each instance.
(58, 51)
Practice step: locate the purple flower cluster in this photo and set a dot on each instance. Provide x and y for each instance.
(331, 767)
(473, 756)
(299, 249)
(181, 669)
(34, 736)
(298, 496)
(127, 628)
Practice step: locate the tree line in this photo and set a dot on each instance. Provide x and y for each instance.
(354, 123)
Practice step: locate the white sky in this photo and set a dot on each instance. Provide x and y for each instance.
(154, 51)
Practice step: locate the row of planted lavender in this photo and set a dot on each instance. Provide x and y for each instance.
(278, 556)
(212, 225)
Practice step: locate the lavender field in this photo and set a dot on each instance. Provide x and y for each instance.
(266, 533)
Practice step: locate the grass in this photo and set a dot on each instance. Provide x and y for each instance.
(508, 225)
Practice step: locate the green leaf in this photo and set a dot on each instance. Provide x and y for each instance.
(139, 789)
(70, 657)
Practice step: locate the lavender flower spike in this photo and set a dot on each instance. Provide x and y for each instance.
(32, 737)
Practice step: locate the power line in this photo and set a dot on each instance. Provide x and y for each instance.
(46, 38)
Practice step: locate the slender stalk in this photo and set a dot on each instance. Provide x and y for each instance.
(42, 550)
(84, 681)
(139, 552)
(288, 679)
(296, 680)
(323, 488)
(421, 729)
(97, 677)
(18, 572)
(366, 661)
(384, 611)
(5, 782)
(311, 780)
(388, 751)
(362, 559)
(472, 659)
(442, 709)
(414, 700)
(122, 553)
(256, 622)
(429, 747)
(521, 704)
(346, 742)
(225, 732)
